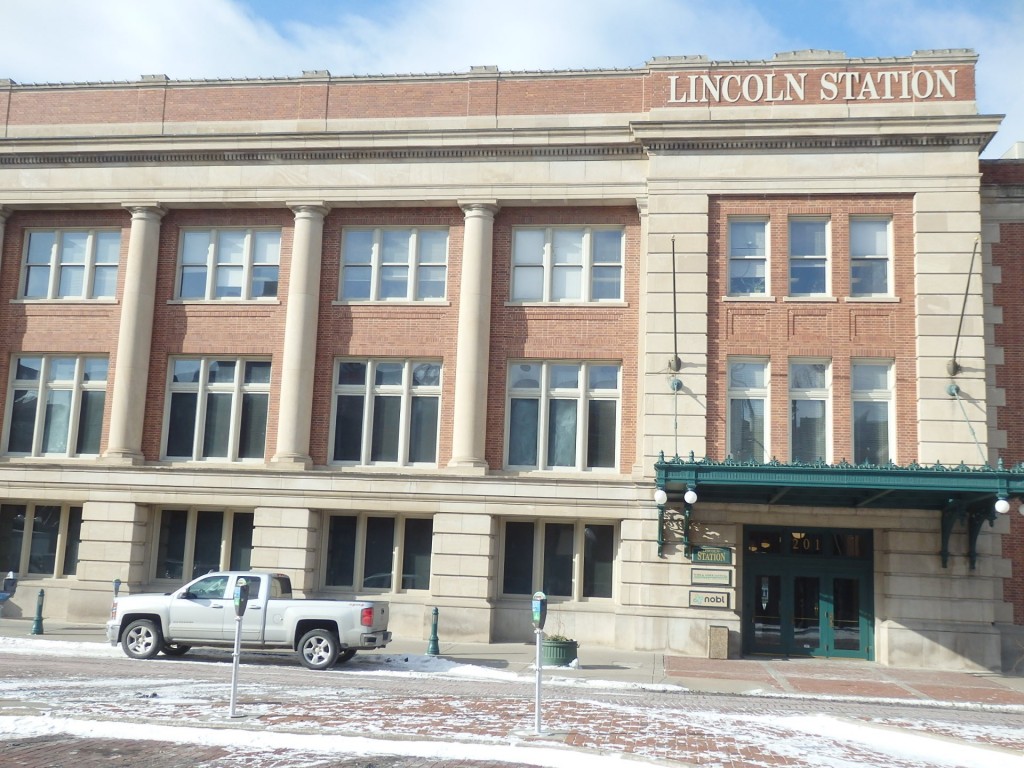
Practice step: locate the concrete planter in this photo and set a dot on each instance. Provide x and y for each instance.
(558, 653)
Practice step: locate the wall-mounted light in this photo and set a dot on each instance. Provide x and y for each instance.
(1002, 506)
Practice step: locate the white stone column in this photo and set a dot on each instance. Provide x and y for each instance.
(135, 334)
(474, 338)
(298, 363)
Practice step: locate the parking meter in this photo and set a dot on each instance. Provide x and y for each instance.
(241, 597)
(540, 609)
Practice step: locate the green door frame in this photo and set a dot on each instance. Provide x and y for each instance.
(786, 570)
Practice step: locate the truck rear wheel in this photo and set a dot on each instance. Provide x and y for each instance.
(318, 649)
(345, 655)
(142, 639)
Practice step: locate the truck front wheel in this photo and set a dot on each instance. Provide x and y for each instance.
(142, 639)
(318, 649)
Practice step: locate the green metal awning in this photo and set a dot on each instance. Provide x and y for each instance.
(956, 492)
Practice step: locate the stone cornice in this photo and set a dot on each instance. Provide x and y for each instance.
(313, 156)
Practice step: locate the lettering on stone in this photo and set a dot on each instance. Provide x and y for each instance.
(718, 576)
(832, 85)
(712, 555)
(710, 599)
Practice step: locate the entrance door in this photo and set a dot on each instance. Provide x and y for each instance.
(801, 605)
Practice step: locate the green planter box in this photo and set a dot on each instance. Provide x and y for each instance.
(558, 653)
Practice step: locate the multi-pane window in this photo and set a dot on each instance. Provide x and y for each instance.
(871, 386)
(748, 395)
(870, 256)
(809, 408)
(369, 552)
(71, 264)
(560, 264)
(386, 411)
(229, 263)
(394, 264)
(40, 539)
(748, 257)
(563, 415)
(562, 559)
(217, 408)
(56, 405)
(191, 542)
(808, 257)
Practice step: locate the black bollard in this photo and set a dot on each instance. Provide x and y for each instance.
(37, 623)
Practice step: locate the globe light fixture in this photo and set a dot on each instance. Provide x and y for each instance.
(1002, 506)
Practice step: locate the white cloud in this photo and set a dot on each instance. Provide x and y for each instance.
(71, 40)
(992, 29)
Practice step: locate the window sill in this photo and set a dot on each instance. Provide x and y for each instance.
(224, 302)
(561, 472)
(872, 299)
(65, 302)
(394, 303)
(573, 304)
(383, 468)
(810, 299)
(763, 298)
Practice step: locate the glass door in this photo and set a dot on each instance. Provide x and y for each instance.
(805, 594)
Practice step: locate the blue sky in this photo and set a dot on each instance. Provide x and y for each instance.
(87, 40)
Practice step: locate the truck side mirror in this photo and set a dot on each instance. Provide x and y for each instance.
(241, 596)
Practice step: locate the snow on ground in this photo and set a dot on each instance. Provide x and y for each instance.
(103, 708)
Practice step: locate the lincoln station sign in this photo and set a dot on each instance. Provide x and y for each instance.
(824, 86)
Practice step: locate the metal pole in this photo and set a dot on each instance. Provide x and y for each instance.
(432, 646)
(37, 623)
(540, 634)
(234, 663)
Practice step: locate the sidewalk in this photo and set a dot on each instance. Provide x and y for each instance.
(834, 679)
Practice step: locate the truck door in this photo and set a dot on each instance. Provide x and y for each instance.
(255, 611)
(199, 613)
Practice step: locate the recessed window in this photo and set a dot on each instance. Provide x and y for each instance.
(191, 542)
(56, 405)
(221, 264)
(553, 264)
(808, 257)
(748, 396)
(378, 553)
(71, 264)
(563, 415)
(563, 559)
(870, 256)
(394, 264)
(809, 410)
(748, 257)
(40, 539)
(871, 386)
(217, 408)
(386, 411)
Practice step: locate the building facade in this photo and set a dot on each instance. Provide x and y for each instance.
(715, 354)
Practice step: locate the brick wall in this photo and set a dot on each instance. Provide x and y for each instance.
(1008, 256)
(602, 333)
(413, 330)
(834, 330)
(213, 328)
(70, 327)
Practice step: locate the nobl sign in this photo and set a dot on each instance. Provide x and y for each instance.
(700, 599)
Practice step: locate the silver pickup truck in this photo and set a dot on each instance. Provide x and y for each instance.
(202, 613)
